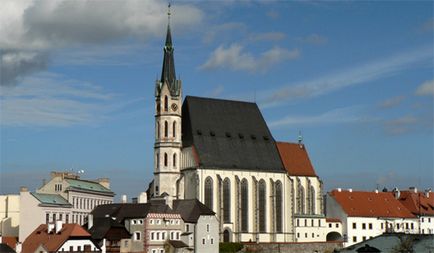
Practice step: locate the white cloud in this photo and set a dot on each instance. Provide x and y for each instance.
(425, 89)
(51, 100)
(233, 57)
(39, 26)
(392, 102)
(314, 39)
(365, 73)
(335, 116)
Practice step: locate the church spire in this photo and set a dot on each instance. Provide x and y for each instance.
(168, 74)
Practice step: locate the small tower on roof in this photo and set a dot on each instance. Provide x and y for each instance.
(168, 142)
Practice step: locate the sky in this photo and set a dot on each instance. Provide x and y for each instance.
(355, 78)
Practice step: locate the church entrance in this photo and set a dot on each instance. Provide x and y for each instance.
(226, 236)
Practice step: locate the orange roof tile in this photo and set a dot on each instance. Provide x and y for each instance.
(295, 159)
(333, 220)
(418, 203)
(52, 241)
(370, 204)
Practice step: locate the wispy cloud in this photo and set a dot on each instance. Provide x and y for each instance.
(220, 30)
(427, 26)
(364, 73)
(234, 58)
(269, 36)
(425, 89)
(272, 14)
(314, 39)
(336, 116)
(400, 125)
(52, 100)
(217, 91)
(392, 102)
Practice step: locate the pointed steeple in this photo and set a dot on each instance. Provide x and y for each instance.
(168, 74)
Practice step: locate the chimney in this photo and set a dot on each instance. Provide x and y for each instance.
(104, 182)
(89, 221)
(50, 227)
(396, 193)
(24, 189)
(427, 192)
(339, 189)
(413, 189)
(350, 190)
(376, 191)
(124, 199)
(169, 201)
(143, 198)
(59, 225)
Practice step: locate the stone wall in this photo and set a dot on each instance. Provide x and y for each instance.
(314, 247)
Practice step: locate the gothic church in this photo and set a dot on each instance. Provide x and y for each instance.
(222, 153)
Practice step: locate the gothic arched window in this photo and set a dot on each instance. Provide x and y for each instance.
(158, 130)
(158, 160)
(244, 205)
(174, 129)
(227, 201)
(166, 104)
(209, 192)
(166, 129)
(279, 204)
(312, 200)
(165, 159)
(174, 160)
(300, 199)
(262, 205)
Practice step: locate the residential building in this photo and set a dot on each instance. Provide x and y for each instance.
(365, 215)
(9, 214)
(84, 195)
(110, 234)
(164, 224)
(59, 237)
(420, 204)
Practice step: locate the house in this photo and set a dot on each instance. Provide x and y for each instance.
(109, 234)
(59, 237)
(420, 204)
(9, 214)
(163, 225)
(365, 215)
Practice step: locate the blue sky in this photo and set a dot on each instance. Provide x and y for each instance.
(356, 78)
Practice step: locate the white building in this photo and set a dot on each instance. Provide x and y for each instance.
(365, 215)
(420, 204)
(9, 215)
(222, 153)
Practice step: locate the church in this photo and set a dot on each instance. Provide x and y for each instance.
(222, 153)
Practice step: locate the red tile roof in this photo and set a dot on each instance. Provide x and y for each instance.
(295, 159)
(52, 241)
(333, 220)
(411, 201)
(370, 204)
(11, 241)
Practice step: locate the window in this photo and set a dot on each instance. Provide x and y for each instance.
(157, 236)
(364, 238)
(363, 225)
(305, 235)
(226, 201)
(78, 248)
(158, 130)
(187, 227)
(354, 238)
(209, 192)
(166, 129)
(337, 225)
(47, 218)
(298, 222)
(166, 104)
(165, 159)
(212, 240)
(163, 235)
(312, 200)
(207, 227)
(137, 236)
(158, 160)
(298, 235)
(244, 206)
(429, 219)
(300, 199)
(54, 217)
(134, 222)
(66, 218)
(311, 223)
(406, 226)
(412, 225)
(158, 222)
(313, 235)
(319, 223)
(354, 225)
(370, 225)
(161, 250)
(382, 225)
(174, 129)
(279, 212)
(203, 240)
(60, 216)
(261, 206)
(152, 236)
(174, 160)
(330, 225)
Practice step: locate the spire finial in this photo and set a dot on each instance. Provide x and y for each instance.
(300, 139)
(168, 12)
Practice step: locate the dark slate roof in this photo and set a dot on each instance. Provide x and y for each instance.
(191, 209)
(108, 228)
(130, 210)
(4, 248)
(177, 244)
(229, 134)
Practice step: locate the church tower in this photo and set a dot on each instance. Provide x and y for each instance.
(167, 148)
